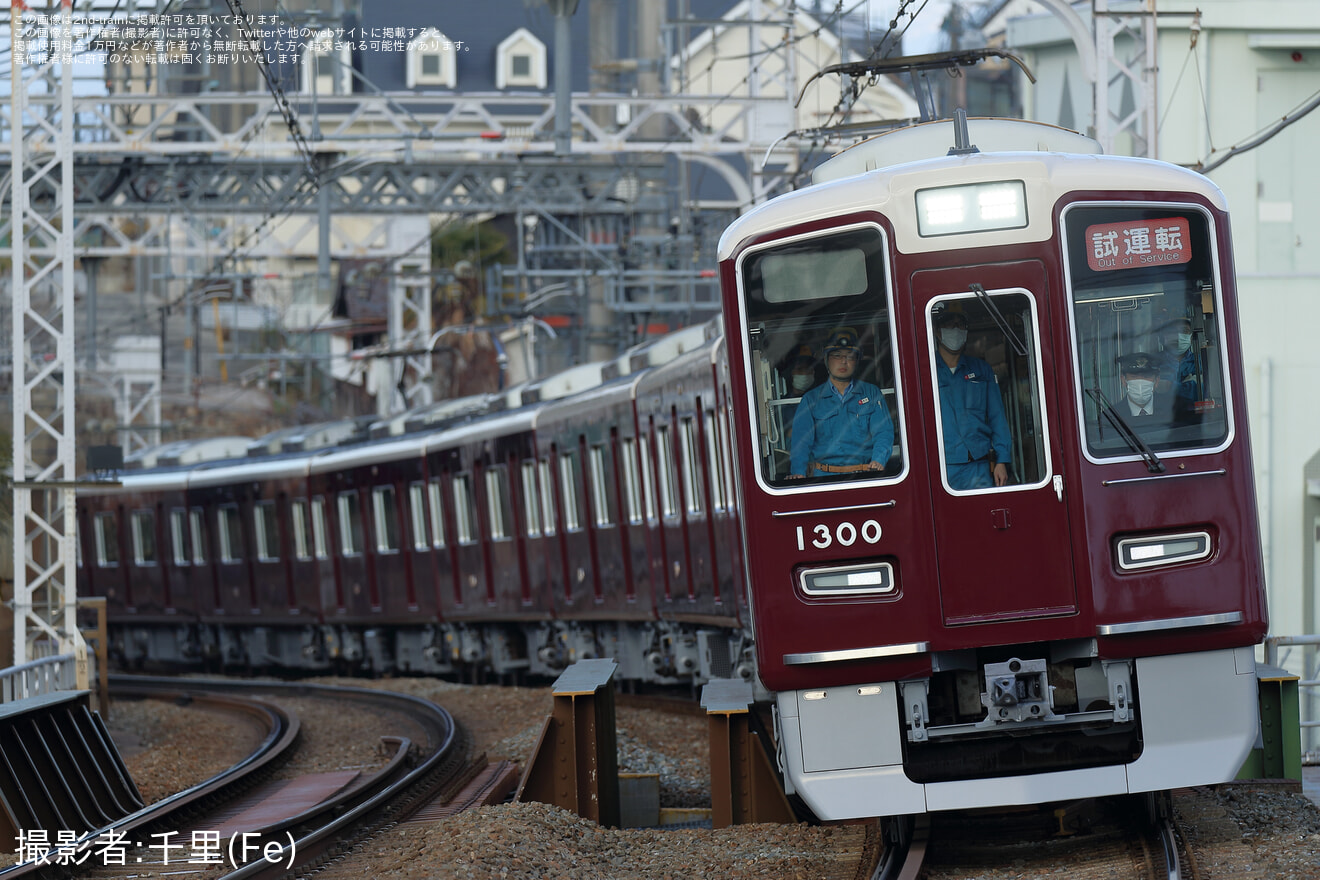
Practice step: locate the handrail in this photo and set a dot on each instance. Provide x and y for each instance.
(37, 677)
(1272, 645)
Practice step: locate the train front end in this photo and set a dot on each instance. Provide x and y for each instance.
(998, 514)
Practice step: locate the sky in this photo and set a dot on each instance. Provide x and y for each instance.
(924, 33)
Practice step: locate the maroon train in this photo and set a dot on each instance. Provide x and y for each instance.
(1087, 628)
(587, 515)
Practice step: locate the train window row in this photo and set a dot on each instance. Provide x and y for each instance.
(681, 490)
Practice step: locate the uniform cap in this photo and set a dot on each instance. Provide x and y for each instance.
(948, 316)
(845, 338)
(804, 353)
(1138, 362)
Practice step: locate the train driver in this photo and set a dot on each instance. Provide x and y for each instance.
(976, 438)
(1139, 375)
(841, 426)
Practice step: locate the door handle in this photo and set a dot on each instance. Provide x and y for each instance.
(1058, 487)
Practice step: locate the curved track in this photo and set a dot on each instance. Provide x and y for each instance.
(417, 773)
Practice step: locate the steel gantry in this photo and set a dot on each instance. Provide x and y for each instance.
(40, 135)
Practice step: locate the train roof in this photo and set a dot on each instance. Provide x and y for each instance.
(304, 438)
(247, 470)
(892, 190)
(186, 453)
(301, 450)
(928, 140)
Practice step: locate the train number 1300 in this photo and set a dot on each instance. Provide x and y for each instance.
(845, 534)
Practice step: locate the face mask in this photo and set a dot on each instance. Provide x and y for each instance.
(1140, 391)
(954, 338)
(801, 382)
(1184, 342)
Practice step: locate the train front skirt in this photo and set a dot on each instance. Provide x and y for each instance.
(843, 753)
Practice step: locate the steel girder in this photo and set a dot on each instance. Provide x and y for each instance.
(154, 185)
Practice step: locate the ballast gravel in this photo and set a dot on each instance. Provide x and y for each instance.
(1237, 832)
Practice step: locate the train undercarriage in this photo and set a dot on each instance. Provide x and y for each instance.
(653, 652)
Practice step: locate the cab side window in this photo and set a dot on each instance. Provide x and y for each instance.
(820, 350)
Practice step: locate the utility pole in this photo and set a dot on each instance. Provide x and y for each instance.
(563, 11)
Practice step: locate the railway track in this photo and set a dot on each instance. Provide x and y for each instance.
(274, 835)
(1110, 839)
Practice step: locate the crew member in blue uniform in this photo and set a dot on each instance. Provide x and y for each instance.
(976, 438)
(841, 426)
(1181, 370)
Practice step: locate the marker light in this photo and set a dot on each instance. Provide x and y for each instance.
(1147, 552)
(977, 207)
(852, 580)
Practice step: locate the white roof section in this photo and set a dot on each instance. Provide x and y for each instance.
(188, 452)
(441, 411)
(930, 140)
(502, 425)
(368, 453)
(893, 192)
(571, 381)
(248, 472)
(666, 348)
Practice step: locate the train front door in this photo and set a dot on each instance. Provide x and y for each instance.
(1004, 549)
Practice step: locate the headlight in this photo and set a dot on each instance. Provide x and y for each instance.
(848, 580)
(1153, 550)
(977, 207)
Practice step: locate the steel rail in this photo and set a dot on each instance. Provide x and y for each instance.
(326, 831)
(282, 731)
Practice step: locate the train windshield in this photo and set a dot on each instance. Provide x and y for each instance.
(1147, 325)
(820, 348)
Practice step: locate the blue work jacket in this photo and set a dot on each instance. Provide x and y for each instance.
(852, 428)
(972, 412)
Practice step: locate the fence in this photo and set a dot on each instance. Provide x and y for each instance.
(38, 677)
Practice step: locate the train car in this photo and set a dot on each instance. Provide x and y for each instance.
(1036, 593)
(507, 533)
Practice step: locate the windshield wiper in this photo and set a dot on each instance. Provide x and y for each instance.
(993, 309)
(1153, 463)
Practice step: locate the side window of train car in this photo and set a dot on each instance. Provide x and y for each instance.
(144, 537)
(320, 533)
(986, 358)
(179, 536)
(498, 510)
(602, 508)
(568, 485)
(664, 455)
(231, 533)
(197, 532)
(1148, 329)
(107, 540)
(464, 519)
(386, 517)
(531, 498)
(350, 523)
(632, 490)
(437, 514)
(691, 462)
(719, 497)
(302, 530)
(421, 541)
(267, 530)
(648, 480)
(825, 397)
(546, 482)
